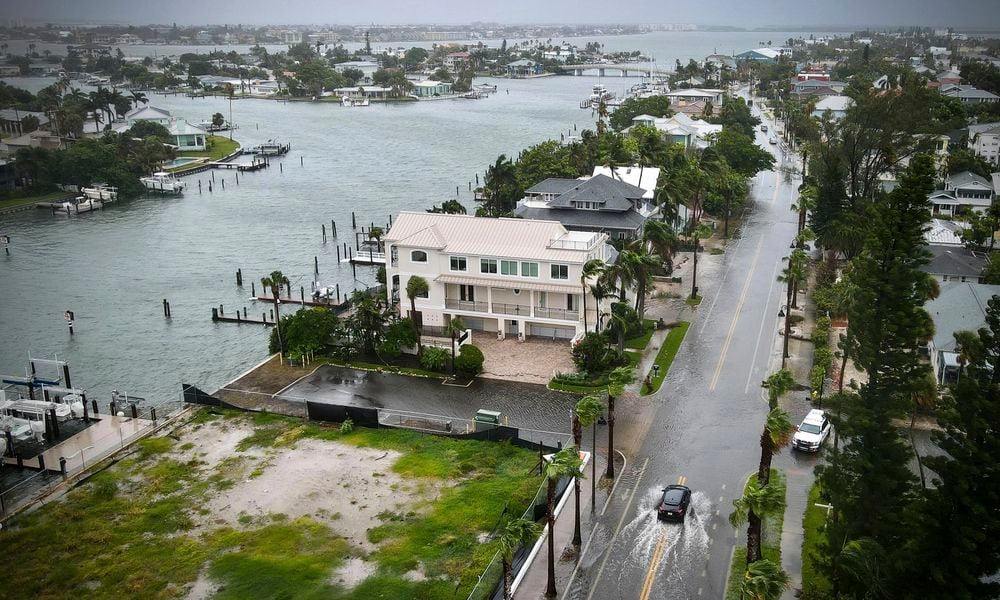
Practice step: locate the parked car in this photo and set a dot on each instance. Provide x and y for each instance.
(763, 128)
(773, 140)
(812, 432)
(674, 503)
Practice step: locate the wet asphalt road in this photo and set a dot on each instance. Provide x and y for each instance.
(705, 423)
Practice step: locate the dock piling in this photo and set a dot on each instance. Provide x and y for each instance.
(253, 289)
(316, 264)
(215, 314)
(288, 289)
(152, 413)
(390, 219)
(324, 232)
(86, 415)
(223, 184)
(272, 314)
(244, 312)
(62, 466)
(199, 186)
(470, 186)
(301, 164)
(222, 311)
(338, 293)
(302, 295)
(93, 406)
(333, 228)
(354, 221)
(281, 168)
(239, 277)
(338, 254)
(135, 411)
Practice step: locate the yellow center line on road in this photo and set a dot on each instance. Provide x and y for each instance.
(654, 562)
(736, 318)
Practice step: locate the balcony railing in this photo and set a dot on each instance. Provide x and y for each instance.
(469, 305)
(557, 313)
(522, 310)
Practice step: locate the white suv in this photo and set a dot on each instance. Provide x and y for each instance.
(812, 432)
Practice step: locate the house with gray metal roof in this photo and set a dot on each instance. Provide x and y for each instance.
(984, 140)
(959, 307)
(599, 203)
(962, 191)
(969, 94)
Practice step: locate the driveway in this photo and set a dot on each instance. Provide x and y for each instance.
(531, 361)
(525, 405)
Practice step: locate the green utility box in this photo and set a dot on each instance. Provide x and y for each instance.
(486, 419)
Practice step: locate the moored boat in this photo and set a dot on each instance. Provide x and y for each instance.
(163, 182)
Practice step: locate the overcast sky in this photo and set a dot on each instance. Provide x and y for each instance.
(741, 13)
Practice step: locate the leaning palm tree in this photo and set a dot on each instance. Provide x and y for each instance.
(617, 380)
(697, 233)
(777, 434)
(274, 282)
(763, 580)
(565, 463)
(454, 328)
(591, 269)
(757, 501)
(417, 286)
(640, 266)
(601, 290)
(662, 241)
(586, 413)
(515, 533)
(778, 384)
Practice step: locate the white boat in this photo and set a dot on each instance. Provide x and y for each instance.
(78, 205)
(598, 94)
(270, 148)
(20, 429)
(101, 192)
(31, 409)
(163, 182)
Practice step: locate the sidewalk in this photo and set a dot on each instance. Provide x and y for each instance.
(534, 576)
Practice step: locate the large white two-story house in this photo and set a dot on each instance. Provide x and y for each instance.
(514, 277)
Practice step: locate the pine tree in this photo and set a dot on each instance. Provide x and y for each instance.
(957, 522)
(869, 482)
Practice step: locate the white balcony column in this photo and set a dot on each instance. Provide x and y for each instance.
(489, 298)
(531, 303)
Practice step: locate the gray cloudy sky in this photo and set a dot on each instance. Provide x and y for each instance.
(742, 13)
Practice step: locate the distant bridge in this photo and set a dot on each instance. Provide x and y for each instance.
(624, 69)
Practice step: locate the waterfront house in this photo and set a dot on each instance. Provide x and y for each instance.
(962, 191)
(769, 55)
(523, 68)
(959, 307)
(35, 139)
(186, 137)
(984, 140)
(836, 105)
(514, 277)
(817, 87)
(430, 88)
(364, 91)
(456, 61)
(265, 87)
(681, 129)
(723, 61)
(955, 264)
(697, 95)
(367, 67)
(595, 204)
(148, 112)
(10, 71)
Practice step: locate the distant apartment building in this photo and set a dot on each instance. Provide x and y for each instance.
(984, 140)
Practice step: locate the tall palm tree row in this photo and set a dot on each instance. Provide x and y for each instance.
(588, 412)
(515, 533)
(757, 501)
(565, 463)
(591, 269)
(617, 380)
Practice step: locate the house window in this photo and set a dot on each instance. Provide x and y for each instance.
(508, 267)
(458, 263)
(418, 256)
(529, 269)
(560, 271)
(487, 265)
(423, 294)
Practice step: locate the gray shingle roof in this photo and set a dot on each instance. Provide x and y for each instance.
(552, 185)
(960, 307)
(611, 194)
(960, 180)
(572, 218)
(956, 261)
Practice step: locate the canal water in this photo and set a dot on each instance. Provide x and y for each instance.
(114, 267)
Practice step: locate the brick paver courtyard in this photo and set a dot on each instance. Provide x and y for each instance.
(531, 361)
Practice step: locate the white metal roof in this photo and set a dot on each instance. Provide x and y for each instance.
(482, 236)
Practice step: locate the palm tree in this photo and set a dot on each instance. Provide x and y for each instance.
(139, 98)
(515, 533)
(776, 435)
(587, 412)
(763, 580)
(617, 380)
(454, 328)
(591, 269)
(565, 463)
(778, 384)
(662, 241)
(275, 281)
(791, 275)
(699, 231)
(640, 267)
(601, 290)
(417, 286)
(757, 500)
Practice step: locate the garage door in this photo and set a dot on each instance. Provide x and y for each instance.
(473, 323)
(551, 332)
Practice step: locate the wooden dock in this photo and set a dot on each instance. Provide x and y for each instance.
(217, 317)
(303, 302)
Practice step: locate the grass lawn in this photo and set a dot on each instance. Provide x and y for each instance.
(641, 341)
(770, 540)
(219, 147)
(142, 529)
(693, 301)
(50, 197)
(666, 355)
(596, 385)
(814, 582)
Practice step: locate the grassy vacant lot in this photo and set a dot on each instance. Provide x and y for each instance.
(166, 519)
(18, 200)
(814, 582)
(770, 542)
(218, 147)
(666, 355)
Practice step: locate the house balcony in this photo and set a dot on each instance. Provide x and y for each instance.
(557, 313)
(467, 305)
(521, 310)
